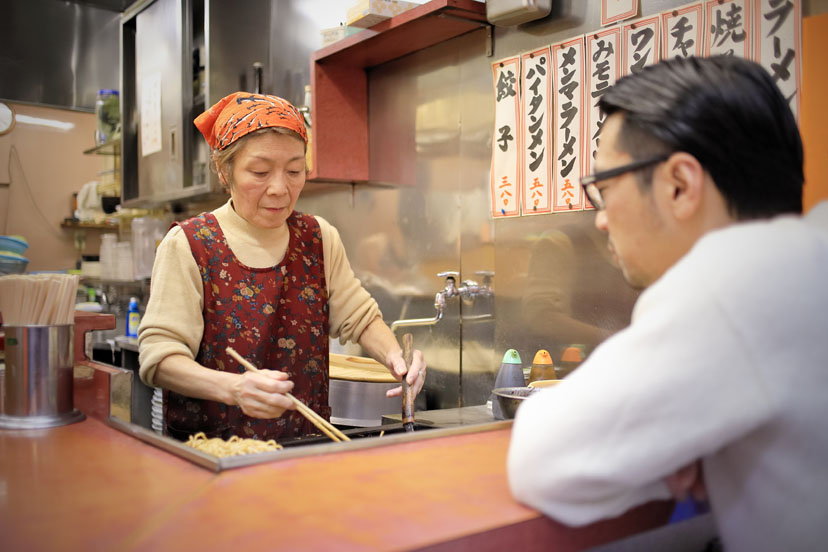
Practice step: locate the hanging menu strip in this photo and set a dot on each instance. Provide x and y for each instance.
(506, 145)
(682, 31)
(536, 84)
(603, 68)
(613, 11)
(779, 45)
(641, 40)
(568, 59)
(728, 28)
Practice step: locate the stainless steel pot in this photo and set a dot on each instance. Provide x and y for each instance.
(361, 403)
(357, 389)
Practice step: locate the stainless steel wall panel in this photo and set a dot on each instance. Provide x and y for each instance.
(228, 62)
(295, 27)
(159, 48)
(431, 117)
(57, 53)
(477, 239)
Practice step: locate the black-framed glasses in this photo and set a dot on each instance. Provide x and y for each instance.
(592, 191)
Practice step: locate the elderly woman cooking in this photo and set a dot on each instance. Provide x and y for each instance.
(257, 276)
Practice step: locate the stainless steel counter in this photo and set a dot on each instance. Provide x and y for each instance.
(362, 438)
(127, 343)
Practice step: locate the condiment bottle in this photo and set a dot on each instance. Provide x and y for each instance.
(570, 359)
(542, 367)
(107, 115)
(133, 318)
(509, 375)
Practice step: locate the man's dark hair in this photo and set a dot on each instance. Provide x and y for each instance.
(726, 112)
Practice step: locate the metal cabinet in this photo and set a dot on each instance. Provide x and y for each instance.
(178, 56)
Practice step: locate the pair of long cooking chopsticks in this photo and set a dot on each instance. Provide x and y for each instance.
(321, 423)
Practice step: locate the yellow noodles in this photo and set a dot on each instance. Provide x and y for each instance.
(232, 447)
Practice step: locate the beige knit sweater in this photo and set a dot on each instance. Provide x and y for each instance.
(173, 322)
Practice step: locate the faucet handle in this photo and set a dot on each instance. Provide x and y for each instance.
(487, 276)
(449, 274)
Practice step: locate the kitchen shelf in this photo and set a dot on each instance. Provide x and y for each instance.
(95, 281)
(89, 225)
(339, 80)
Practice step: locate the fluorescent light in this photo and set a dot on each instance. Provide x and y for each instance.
(26, 120)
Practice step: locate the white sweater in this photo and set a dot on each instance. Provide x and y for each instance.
(726, 359)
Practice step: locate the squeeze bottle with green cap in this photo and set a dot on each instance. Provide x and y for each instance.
(133, 318)
(509, 375)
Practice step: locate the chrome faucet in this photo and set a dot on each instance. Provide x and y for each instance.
(468, 290)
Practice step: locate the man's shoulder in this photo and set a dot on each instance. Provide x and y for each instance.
(758, 239)
(818, 215)
(754, 253)
(761, 254)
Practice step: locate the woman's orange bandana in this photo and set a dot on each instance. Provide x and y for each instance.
(241, 113)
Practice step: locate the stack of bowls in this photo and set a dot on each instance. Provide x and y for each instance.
(12, 260)
(157, 411)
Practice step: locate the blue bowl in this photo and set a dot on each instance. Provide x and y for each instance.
(13, 244)
(12, 265)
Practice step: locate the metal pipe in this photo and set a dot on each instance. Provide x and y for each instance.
(416, 322)
(468, 290)
(470, 319)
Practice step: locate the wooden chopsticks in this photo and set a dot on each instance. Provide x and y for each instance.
(321, 423)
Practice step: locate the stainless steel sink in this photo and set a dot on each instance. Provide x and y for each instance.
(362, 438)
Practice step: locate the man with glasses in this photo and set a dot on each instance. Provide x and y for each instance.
(719, 386)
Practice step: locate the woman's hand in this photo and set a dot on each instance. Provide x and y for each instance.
(379, 341)
(415, 376)
(262, 394)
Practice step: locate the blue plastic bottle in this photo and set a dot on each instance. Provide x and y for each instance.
(509, 375)
(133, 318)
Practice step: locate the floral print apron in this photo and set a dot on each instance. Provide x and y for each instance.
(277, 318)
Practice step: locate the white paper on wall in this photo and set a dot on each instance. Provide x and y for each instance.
(728, 28)
(778, 27)
(682, 31)
(617, 10)
(603, 68)
(150, 114)
(506, 145)
(568, 60)
(536, 86)
(641, 44)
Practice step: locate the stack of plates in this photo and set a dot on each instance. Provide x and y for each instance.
(157, 411)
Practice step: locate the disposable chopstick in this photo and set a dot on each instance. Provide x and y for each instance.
(317, 420)
(67, 314)
(321, 423)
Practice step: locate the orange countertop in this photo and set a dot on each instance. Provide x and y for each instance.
(87, 486)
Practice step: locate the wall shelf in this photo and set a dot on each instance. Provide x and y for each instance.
(89, 225)
(339, 80)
